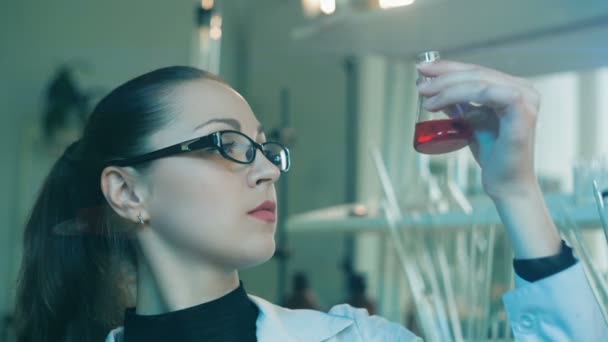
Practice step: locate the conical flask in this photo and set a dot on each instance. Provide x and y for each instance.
(438, 133)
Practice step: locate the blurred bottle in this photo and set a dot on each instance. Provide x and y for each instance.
(302, 296)
(421, 193)
(357, 294)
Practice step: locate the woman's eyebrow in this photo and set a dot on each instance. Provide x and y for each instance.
(231, 122)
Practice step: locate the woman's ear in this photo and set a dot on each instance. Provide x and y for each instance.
(122, 189)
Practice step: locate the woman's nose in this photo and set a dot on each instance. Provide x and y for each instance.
(262, 170)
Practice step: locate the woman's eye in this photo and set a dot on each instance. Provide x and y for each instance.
(250, 154)
(228, 146)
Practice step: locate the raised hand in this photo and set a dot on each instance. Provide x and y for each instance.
(504, 132)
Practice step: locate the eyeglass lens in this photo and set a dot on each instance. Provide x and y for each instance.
(240, 148)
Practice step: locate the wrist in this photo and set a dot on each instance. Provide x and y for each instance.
(528, 223)
(516, 193)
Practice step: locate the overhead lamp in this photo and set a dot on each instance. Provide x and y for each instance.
(386, 4)
(328, 6)
(313, 8)
(209, 34)
(207, 4)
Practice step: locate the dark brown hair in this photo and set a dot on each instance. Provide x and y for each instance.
(74, 287)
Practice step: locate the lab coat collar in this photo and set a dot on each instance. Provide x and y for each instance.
(280, 324)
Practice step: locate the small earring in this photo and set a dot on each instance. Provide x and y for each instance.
(141, 218)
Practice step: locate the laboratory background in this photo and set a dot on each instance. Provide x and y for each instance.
(364, 218)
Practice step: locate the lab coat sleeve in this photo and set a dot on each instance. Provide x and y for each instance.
(373, 328)
(561, 307)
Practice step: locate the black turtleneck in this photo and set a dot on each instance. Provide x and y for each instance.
(229, 318)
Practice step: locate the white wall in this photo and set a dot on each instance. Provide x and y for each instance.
(557, 129)
(573, 124)
(602, 111)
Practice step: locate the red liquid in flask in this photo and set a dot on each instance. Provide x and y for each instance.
(442, 136)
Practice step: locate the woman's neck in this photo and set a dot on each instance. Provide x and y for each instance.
(168, 283)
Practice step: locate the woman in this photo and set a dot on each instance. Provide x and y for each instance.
(170, 192)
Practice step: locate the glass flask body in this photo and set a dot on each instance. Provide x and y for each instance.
(436, 133)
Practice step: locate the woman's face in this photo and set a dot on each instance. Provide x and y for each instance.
(201, 204)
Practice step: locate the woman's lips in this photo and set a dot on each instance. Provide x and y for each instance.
(264, 215)
(265, 211)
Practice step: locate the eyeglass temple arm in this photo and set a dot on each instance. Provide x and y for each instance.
(164, 152)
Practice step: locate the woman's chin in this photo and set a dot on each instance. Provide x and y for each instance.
(258, 254)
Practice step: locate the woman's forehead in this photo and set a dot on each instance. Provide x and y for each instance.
(201, 107)
(208, 99)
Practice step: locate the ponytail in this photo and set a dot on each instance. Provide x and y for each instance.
(71, 285)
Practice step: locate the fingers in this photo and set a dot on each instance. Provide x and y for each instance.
(449, 71)
(489, 94)
(465, 83)
(431, 87)
(441, 67)
(495, 96)
(504, 103)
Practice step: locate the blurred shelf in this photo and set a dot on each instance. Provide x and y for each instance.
(338, 218)
(518, 36)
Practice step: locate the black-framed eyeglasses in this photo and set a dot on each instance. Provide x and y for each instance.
(232, 145)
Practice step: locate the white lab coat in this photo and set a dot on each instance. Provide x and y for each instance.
(558, 308)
